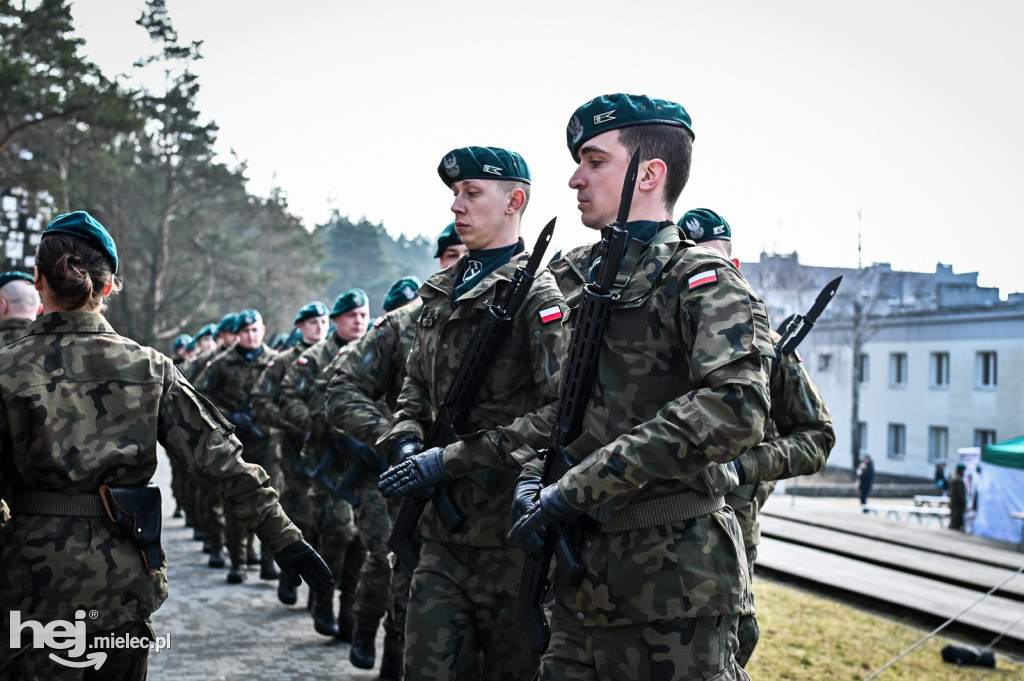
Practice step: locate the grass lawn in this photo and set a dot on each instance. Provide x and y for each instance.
(807, 637)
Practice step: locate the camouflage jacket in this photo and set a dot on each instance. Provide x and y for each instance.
(798, 442)
(228, 381)
(267, 394)
(12, 329)
(81, 406)
(372, 370)
(513, 408)
(682, 384)
(194, 367)
(298, 386)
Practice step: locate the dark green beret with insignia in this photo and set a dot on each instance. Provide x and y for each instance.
(448, 237)
(227, 323)
(247, 317)
(704, 224)
(208, 330)
(84, 226)
(482, 163)
(182, 341)
(401, 292)
(310, 310)
(349, 300)
(609, 112)
(7, 277)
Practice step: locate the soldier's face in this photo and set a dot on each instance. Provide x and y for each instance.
(479, 208)
(451, 255)
(206, 343)
(313, 329)
(598, 178)
(352, 324)
(251, 336)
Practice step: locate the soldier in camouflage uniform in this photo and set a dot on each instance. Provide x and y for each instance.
(82, 407)
(799, 439)
(682, 385)
(303, 393)
(19, 305)
(228, 381)
(311, 321)
(355, 408)
(460, 622)
(361, 398)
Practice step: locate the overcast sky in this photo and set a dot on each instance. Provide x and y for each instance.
(804, 111)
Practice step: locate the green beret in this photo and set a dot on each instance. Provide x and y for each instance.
(7, 277)
(310, 310)
(401, 292)
(181, 341)
(448, 237)
(247, 317)
(482, 163)
(227, 323)
(609, 112)
(703, 224)
(208, 330)
(191, 345)
(85, 226)
(349, 300)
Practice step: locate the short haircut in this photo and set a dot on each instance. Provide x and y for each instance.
(509, 186)
(672, 144)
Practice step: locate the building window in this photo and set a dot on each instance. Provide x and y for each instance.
(897, 441)
(984, 437)
(940, 370)
(938, 443)
(863, 369)
(824, 362)
(986, 370)
(898, 370)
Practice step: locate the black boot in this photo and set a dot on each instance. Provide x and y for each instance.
(251, 557)
(216, 558)
(323, 614)
(286, 592)
(363, 653)
(268, 570)
(236, 575)
(345, 624)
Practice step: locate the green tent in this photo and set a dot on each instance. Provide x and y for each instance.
(1009, 454)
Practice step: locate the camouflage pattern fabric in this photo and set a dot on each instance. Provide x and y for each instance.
(798, 443)
(371, 371)
(12, 329)
(513, 409)
(81, 406)
(653, 651)
(682, 384)
(461, 605)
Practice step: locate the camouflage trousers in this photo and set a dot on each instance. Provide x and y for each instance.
(748, 632)
(401, 578)
(461, 618)
(679, 650)
(338, 542)
(121, 664)
(374, 525)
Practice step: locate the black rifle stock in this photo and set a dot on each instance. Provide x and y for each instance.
(577, 381)
(453, 411)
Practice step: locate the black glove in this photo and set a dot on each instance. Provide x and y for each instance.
(369, 457)
(244, 422)
(416, 476)
(531, 530)
(527, 493)
(404, 447)
(299, 561)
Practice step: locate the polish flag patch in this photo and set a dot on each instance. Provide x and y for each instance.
(709, 277)
(551, 314)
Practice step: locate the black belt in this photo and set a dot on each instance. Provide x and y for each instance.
(57, 504)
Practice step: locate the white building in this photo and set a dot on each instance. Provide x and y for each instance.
(943, 363)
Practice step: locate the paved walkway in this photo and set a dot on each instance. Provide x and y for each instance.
(235, 632)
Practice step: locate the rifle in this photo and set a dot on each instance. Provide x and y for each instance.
(244, 420)
(344, 488)
(798, 326)
(578, 375)
(453, 411)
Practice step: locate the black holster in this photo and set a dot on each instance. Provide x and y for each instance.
(137, 512)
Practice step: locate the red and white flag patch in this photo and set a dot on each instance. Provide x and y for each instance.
(709, 277)
(551, 314)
